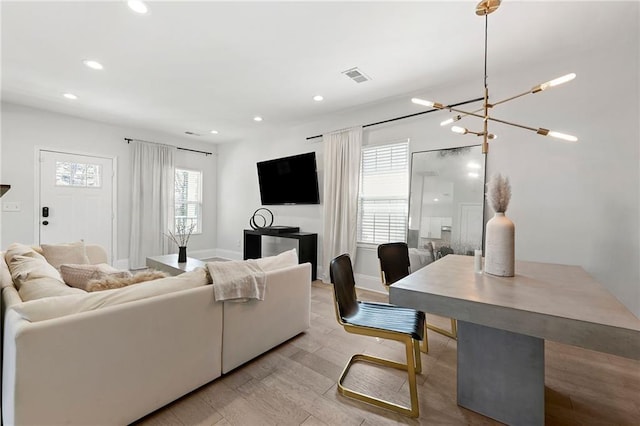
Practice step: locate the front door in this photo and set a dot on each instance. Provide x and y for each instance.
(76, 199)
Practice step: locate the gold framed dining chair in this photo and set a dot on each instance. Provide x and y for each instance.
(378, 320)
(395, 265)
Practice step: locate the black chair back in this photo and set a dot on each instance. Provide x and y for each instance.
(394, 261)
(344, 286)
(445, 251)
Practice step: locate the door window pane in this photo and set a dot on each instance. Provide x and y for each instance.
(78, 174)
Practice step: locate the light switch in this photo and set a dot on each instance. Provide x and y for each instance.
(11, 206)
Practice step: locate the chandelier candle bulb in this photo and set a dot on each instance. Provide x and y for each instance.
(560, 80)
(563, 136)
(555, 82)
(419, 101)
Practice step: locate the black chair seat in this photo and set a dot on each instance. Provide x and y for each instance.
(388, 317)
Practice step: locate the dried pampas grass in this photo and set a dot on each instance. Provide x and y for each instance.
(498, 193)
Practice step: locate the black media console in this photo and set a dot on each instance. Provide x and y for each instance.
(307, 245)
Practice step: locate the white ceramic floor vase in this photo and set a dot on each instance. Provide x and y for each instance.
(500, 246)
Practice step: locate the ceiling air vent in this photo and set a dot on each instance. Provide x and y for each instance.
(356, 75)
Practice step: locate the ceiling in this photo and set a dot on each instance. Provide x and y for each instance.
(198, 66)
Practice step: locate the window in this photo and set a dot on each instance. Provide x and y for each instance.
(384, 193)
(78, 174)
(188, 199)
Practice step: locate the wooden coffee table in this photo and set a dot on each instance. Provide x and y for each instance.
(169, 263)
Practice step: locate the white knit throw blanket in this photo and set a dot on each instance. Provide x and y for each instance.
(237, 279)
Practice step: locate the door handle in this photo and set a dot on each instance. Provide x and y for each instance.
(45, 212)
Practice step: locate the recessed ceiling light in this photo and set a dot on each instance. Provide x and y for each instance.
(318, 98)
(93, 64)
(70, 96)
(214, 132)
(473, 165)
(257, 118)
(473, 174)
(435, 199)
(137, 6)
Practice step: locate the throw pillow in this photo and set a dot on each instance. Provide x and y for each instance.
(24, 269)
(109, 282)
(283, 260)
(79, 275)
(22, 250)
(69, 253)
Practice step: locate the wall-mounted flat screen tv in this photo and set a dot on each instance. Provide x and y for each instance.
(289, 180)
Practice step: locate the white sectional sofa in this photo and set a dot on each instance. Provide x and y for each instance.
(113, 356)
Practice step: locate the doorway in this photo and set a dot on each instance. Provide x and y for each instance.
(76, 199)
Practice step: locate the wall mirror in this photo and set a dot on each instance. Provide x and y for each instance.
(446, 203)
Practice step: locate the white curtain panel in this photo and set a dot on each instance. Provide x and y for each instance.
(342, 152)
(152, 201)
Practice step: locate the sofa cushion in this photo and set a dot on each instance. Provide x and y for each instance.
(17, 249)
(5, 274)
(26, 268)
(280, 261)
(22, 249)
(54, 307)
(41, 287)
(79, 275)
(70, 253)
(112, 281)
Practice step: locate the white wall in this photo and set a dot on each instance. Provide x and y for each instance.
(572, 203)
(239, 195)
(25, 129)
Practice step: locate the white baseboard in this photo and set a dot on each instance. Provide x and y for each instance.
(202, 254)
(121, 264)
(365, 282)
(228, 254)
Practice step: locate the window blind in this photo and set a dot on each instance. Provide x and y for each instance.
(384, 193)
(188, 199)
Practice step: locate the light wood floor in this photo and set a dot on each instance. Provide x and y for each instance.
(295, 383)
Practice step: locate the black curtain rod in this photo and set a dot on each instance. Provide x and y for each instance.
(180, 148)
(410, 115)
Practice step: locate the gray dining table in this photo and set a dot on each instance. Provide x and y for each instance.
(504, 321)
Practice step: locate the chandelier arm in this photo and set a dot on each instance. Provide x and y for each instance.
(513, 124)
(463, 115)
(473, 114)
(511, 98)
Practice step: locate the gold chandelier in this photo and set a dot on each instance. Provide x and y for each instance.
(484, 8)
